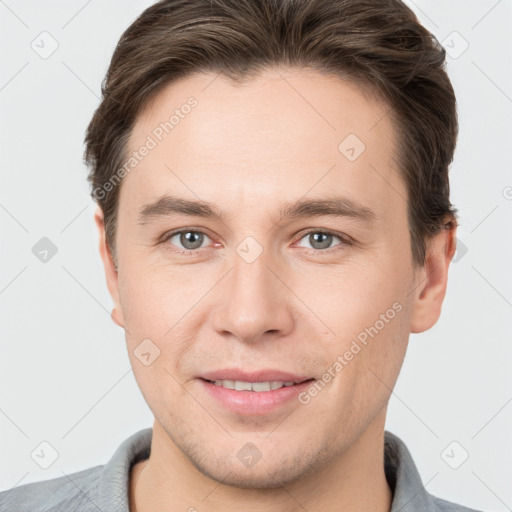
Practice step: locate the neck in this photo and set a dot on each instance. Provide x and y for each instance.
(354, 481)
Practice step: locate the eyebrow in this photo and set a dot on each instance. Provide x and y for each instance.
(340, 206)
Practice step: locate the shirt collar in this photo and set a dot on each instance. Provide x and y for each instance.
(409, 493)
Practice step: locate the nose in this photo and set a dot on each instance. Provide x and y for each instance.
(253, 303)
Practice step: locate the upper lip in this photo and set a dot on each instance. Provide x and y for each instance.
(254, 376)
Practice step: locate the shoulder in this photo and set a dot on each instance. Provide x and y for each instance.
(76, 491)
(99, 488)
(448, 506)
(409, 493)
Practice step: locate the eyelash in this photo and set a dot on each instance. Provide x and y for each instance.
(344, 240)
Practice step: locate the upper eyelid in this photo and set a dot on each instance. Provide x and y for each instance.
(322, 230)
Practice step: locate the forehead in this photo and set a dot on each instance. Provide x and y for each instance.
(291, 129)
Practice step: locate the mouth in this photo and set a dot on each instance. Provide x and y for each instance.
(258, 387)
(253, 393)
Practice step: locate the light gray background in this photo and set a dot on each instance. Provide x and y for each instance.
(65, 377)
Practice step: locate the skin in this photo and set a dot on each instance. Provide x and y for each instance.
(248, 149)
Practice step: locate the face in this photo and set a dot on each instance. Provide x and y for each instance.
(263, 238)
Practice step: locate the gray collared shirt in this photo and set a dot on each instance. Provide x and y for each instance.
(105, 488)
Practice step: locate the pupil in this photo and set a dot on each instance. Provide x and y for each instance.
(193, 238)
(314, 239)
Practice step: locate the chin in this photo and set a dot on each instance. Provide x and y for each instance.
(250, 478)
(280, 471)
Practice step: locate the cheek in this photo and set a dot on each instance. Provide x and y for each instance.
(352, 296)
(152, 301)
(163, 306)
(369, 311)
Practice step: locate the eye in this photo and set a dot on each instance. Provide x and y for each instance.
(189, 239)
(322, 240)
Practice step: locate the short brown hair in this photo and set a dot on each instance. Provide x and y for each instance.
(378, 44)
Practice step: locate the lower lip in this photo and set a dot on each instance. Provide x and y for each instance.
(254, 402)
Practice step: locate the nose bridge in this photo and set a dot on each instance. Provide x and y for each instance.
(255, 305)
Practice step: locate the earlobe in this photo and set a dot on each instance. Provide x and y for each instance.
(113, 315)
(111, 273)
(432, 279)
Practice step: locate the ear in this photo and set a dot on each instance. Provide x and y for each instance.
(432, 279)
(110, 268)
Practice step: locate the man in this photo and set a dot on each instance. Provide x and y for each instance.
(274, 220)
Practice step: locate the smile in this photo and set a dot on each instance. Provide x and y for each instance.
(239, 385)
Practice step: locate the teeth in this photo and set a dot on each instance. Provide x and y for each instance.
(229, 384)
(242, 386)
(239, 385)
(260, 386)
